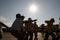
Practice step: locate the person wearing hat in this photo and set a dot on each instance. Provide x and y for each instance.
(17, 27)
(49, 29)
(29, 28)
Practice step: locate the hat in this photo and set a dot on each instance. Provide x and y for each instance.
(22, 17)
(29, 19)
(18, 15)
(52, 19)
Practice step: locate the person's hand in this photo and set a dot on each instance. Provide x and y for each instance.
(35, 20)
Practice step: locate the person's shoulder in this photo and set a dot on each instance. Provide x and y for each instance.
(1, 22)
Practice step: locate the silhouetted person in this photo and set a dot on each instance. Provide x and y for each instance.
(35, 31)
(29, 28)
(58, 34)
(1, 25)
(17, 27)
(58, 31)
(49, 29)
(42, 26)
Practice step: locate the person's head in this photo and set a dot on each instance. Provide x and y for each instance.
(52, 20)
(29, 19)
(22, 17)
(42, 24)
(18, 15)
(34, 22)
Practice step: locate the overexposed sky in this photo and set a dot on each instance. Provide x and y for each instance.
(47, 9)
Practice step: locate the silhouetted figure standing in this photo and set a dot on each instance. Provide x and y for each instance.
(35, 31)
(29, 29)
(1, 25)
(58, 34)
(42, 26)
(49, 29)
(17, 27)
(58, 31)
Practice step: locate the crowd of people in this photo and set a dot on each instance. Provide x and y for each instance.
(22, 29)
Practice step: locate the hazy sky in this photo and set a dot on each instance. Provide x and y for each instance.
(47, 9)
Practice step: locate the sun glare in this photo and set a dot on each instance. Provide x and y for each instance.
(33, 8)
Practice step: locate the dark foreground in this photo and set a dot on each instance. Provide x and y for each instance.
(8, 36)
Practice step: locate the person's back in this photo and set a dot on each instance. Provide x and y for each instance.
(29, 25)
(49, 29)
(29, 29)
(17, 27)
(42, 26)
(49, 26)
(35, 30)
(35, 26)
(17, 24)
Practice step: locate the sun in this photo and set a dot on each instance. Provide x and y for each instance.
(33, 8)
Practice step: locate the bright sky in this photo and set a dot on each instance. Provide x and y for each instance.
(47, 9)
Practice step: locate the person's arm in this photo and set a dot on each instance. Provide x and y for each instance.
(25, 21)
(29, 21)
(33, 20)
(4, 25)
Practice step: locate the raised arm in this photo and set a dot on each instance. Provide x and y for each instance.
(34, 20)
(4, 25)
(29, 21)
